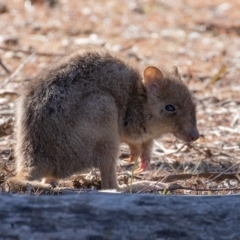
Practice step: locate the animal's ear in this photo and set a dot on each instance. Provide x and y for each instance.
(152, 78)
(175, 70)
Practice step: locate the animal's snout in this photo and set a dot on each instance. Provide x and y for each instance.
(193, 135)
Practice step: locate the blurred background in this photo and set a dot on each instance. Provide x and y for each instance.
(201, 37)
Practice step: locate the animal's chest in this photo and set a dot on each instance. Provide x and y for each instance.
(135, 137)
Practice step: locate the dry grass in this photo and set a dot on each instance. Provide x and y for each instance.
(200, 37)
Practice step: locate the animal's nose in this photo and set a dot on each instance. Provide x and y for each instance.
(194, 135)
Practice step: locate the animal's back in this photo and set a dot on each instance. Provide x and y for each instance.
(61, 88)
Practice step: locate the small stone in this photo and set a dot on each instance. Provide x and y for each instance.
(3, 8)
(10, 40)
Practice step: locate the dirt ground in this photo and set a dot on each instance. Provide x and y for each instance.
(201, 37)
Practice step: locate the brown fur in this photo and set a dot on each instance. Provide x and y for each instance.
(74, 115)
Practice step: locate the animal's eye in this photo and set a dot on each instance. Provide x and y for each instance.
(170, 108)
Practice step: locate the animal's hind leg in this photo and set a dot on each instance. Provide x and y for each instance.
(16, 184)
(108, 163)
(106, 153)
(23, 180)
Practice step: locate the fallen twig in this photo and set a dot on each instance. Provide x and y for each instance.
(185, 176)
(9, 93)
(175, 186)
(178, 187)
(18, 69)
(4, 67)
(31, 51)
(235, 165)
(154, 184)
